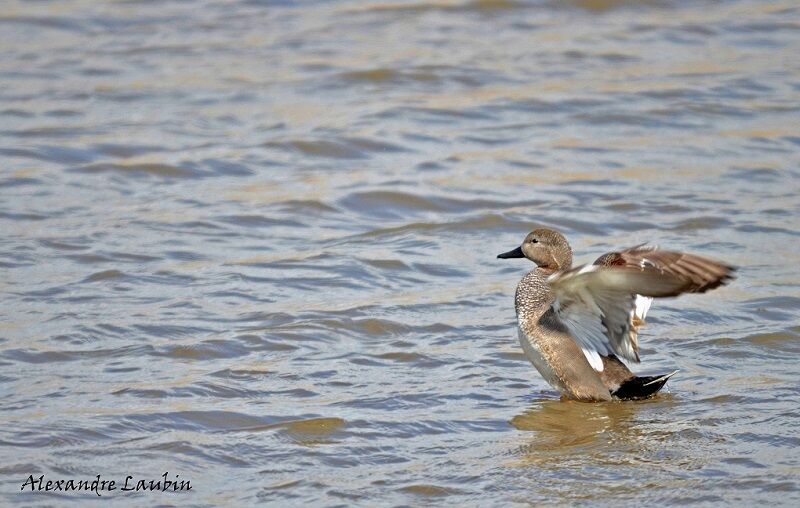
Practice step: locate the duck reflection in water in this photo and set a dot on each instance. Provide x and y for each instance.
(564, 426)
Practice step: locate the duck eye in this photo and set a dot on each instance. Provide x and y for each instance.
(534, 240)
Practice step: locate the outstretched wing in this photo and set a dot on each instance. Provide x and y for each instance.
(597, 302)
(701, 274)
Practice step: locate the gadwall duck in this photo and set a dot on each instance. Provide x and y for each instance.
(576, 323)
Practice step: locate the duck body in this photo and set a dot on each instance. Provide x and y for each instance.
(574, 324)
(547, 342)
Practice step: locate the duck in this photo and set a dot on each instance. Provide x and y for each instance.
(579, 325)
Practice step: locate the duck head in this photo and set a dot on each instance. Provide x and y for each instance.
(545, 247)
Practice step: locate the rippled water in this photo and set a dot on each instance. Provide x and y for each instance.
(253, 244)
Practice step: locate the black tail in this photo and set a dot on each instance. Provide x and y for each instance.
(641, 387)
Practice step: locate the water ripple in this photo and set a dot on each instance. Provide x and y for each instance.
(254, 246)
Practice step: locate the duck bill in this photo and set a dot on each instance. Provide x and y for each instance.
(516, 253)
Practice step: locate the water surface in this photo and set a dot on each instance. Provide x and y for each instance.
(253, 244)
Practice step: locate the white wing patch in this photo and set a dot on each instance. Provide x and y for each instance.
(594, 359)
(643, 304)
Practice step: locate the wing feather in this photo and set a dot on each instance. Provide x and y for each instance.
(702, 274)
(603, 305)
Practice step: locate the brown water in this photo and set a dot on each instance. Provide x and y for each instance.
(253, 244)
